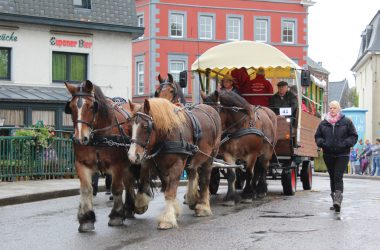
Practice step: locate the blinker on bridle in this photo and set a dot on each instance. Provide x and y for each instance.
(149, 120)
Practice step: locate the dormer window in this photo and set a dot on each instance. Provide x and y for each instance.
(85, 4)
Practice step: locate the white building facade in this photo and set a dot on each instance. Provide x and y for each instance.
(367, 77)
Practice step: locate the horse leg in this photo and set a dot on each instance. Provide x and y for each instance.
(144, 194)
(203, 205)
(117, 214)
(229, 199)
(168, 219)
(129, 186)
(247, 194)
(192, 194)
(262, 186)
(86, 215)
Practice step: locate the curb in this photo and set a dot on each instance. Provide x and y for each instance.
(349, 176)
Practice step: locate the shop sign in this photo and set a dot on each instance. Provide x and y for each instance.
(8, 37)
(70, 43)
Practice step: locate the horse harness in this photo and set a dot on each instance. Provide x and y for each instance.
(226, 136)
(122, 140)
(171, 147)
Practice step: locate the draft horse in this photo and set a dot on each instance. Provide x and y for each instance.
(170, 90)
(168, 138)
(249, 134)
(101, 140)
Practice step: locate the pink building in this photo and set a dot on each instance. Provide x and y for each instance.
(177, 32)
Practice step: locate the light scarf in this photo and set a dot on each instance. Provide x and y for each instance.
(333, 120)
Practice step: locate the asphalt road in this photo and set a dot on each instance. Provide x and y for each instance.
(303, 221)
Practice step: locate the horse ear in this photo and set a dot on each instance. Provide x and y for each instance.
(88, 86)
(160, 79)
(146, 106)
(71, 88)
(170, 77)
(134, 107)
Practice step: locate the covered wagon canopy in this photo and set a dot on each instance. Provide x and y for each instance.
(247, 54)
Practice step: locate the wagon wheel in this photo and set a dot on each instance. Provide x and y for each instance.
(289, 181)
(306, 175)
(214, 181)
(240, 179)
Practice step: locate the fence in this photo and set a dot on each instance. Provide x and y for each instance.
(21, 158)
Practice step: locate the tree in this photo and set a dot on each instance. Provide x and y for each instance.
(353, 97)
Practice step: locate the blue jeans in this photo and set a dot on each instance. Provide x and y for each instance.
(376, 165)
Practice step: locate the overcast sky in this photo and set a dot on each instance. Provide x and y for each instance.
(335, 28)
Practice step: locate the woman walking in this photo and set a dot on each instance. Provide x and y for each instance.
(336, 134)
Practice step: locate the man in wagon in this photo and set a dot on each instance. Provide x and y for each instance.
(284, 99)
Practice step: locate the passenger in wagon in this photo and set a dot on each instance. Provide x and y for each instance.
(228, 83)
(284, 98)
(260, 85)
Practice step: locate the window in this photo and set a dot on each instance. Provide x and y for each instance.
(69, 67)
(206, 27)
(13, 117)
(288, 31)
(233, 28)
(47, 117)
(86, 4)
(140, 77)
(176, 24)
(175, 68)
(140, 23)
(5, 63)
(261, 30)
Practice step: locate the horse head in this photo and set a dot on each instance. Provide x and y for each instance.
(170, 90)
(86, 107)
(142, 130)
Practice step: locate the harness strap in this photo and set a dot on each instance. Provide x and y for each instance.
(178, 147)
(240, 133)
(197, 135)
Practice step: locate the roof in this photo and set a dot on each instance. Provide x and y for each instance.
(246, 54)
(336, 90)
(105, 13)
(370, 39)
(316, 66)
(16, 93)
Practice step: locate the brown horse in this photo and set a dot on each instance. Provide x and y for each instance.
(170, 90)
(166, 138)
(101, 141)
(249, 134)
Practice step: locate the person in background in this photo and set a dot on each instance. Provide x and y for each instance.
(361, 149)
(336, 134)
(368, 153)
(228, 83)
(353, 160)
(261, 86)
(375, 150)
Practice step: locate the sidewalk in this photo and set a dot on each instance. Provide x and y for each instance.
(28, 191)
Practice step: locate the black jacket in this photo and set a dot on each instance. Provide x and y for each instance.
(288, 100)
(338, 139)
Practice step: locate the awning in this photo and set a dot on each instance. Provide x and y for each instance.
(248, 54)
(319, 83)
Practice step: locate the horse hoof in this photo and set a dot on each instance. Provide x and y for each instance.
(115, 222)
(192, 206)
(202, 213)
(260, 196)
(246, 201)
(165, 225)
(228, 203)
(129, 214)
(141, 210)
(86, 227)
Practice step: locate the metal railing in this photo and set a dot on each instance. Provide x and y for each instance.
(20, 157)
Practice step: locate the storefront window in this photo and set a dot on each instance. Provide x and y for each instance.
(5, 63)
(69, 67)
(48, 117)
(12, 117)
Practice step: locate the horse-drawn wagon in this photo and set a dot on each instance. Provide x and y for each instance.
(294, 147)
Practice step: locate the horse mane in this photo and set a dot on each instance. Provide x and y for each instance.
(232, 99)
(103, 103)
(166, 116)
